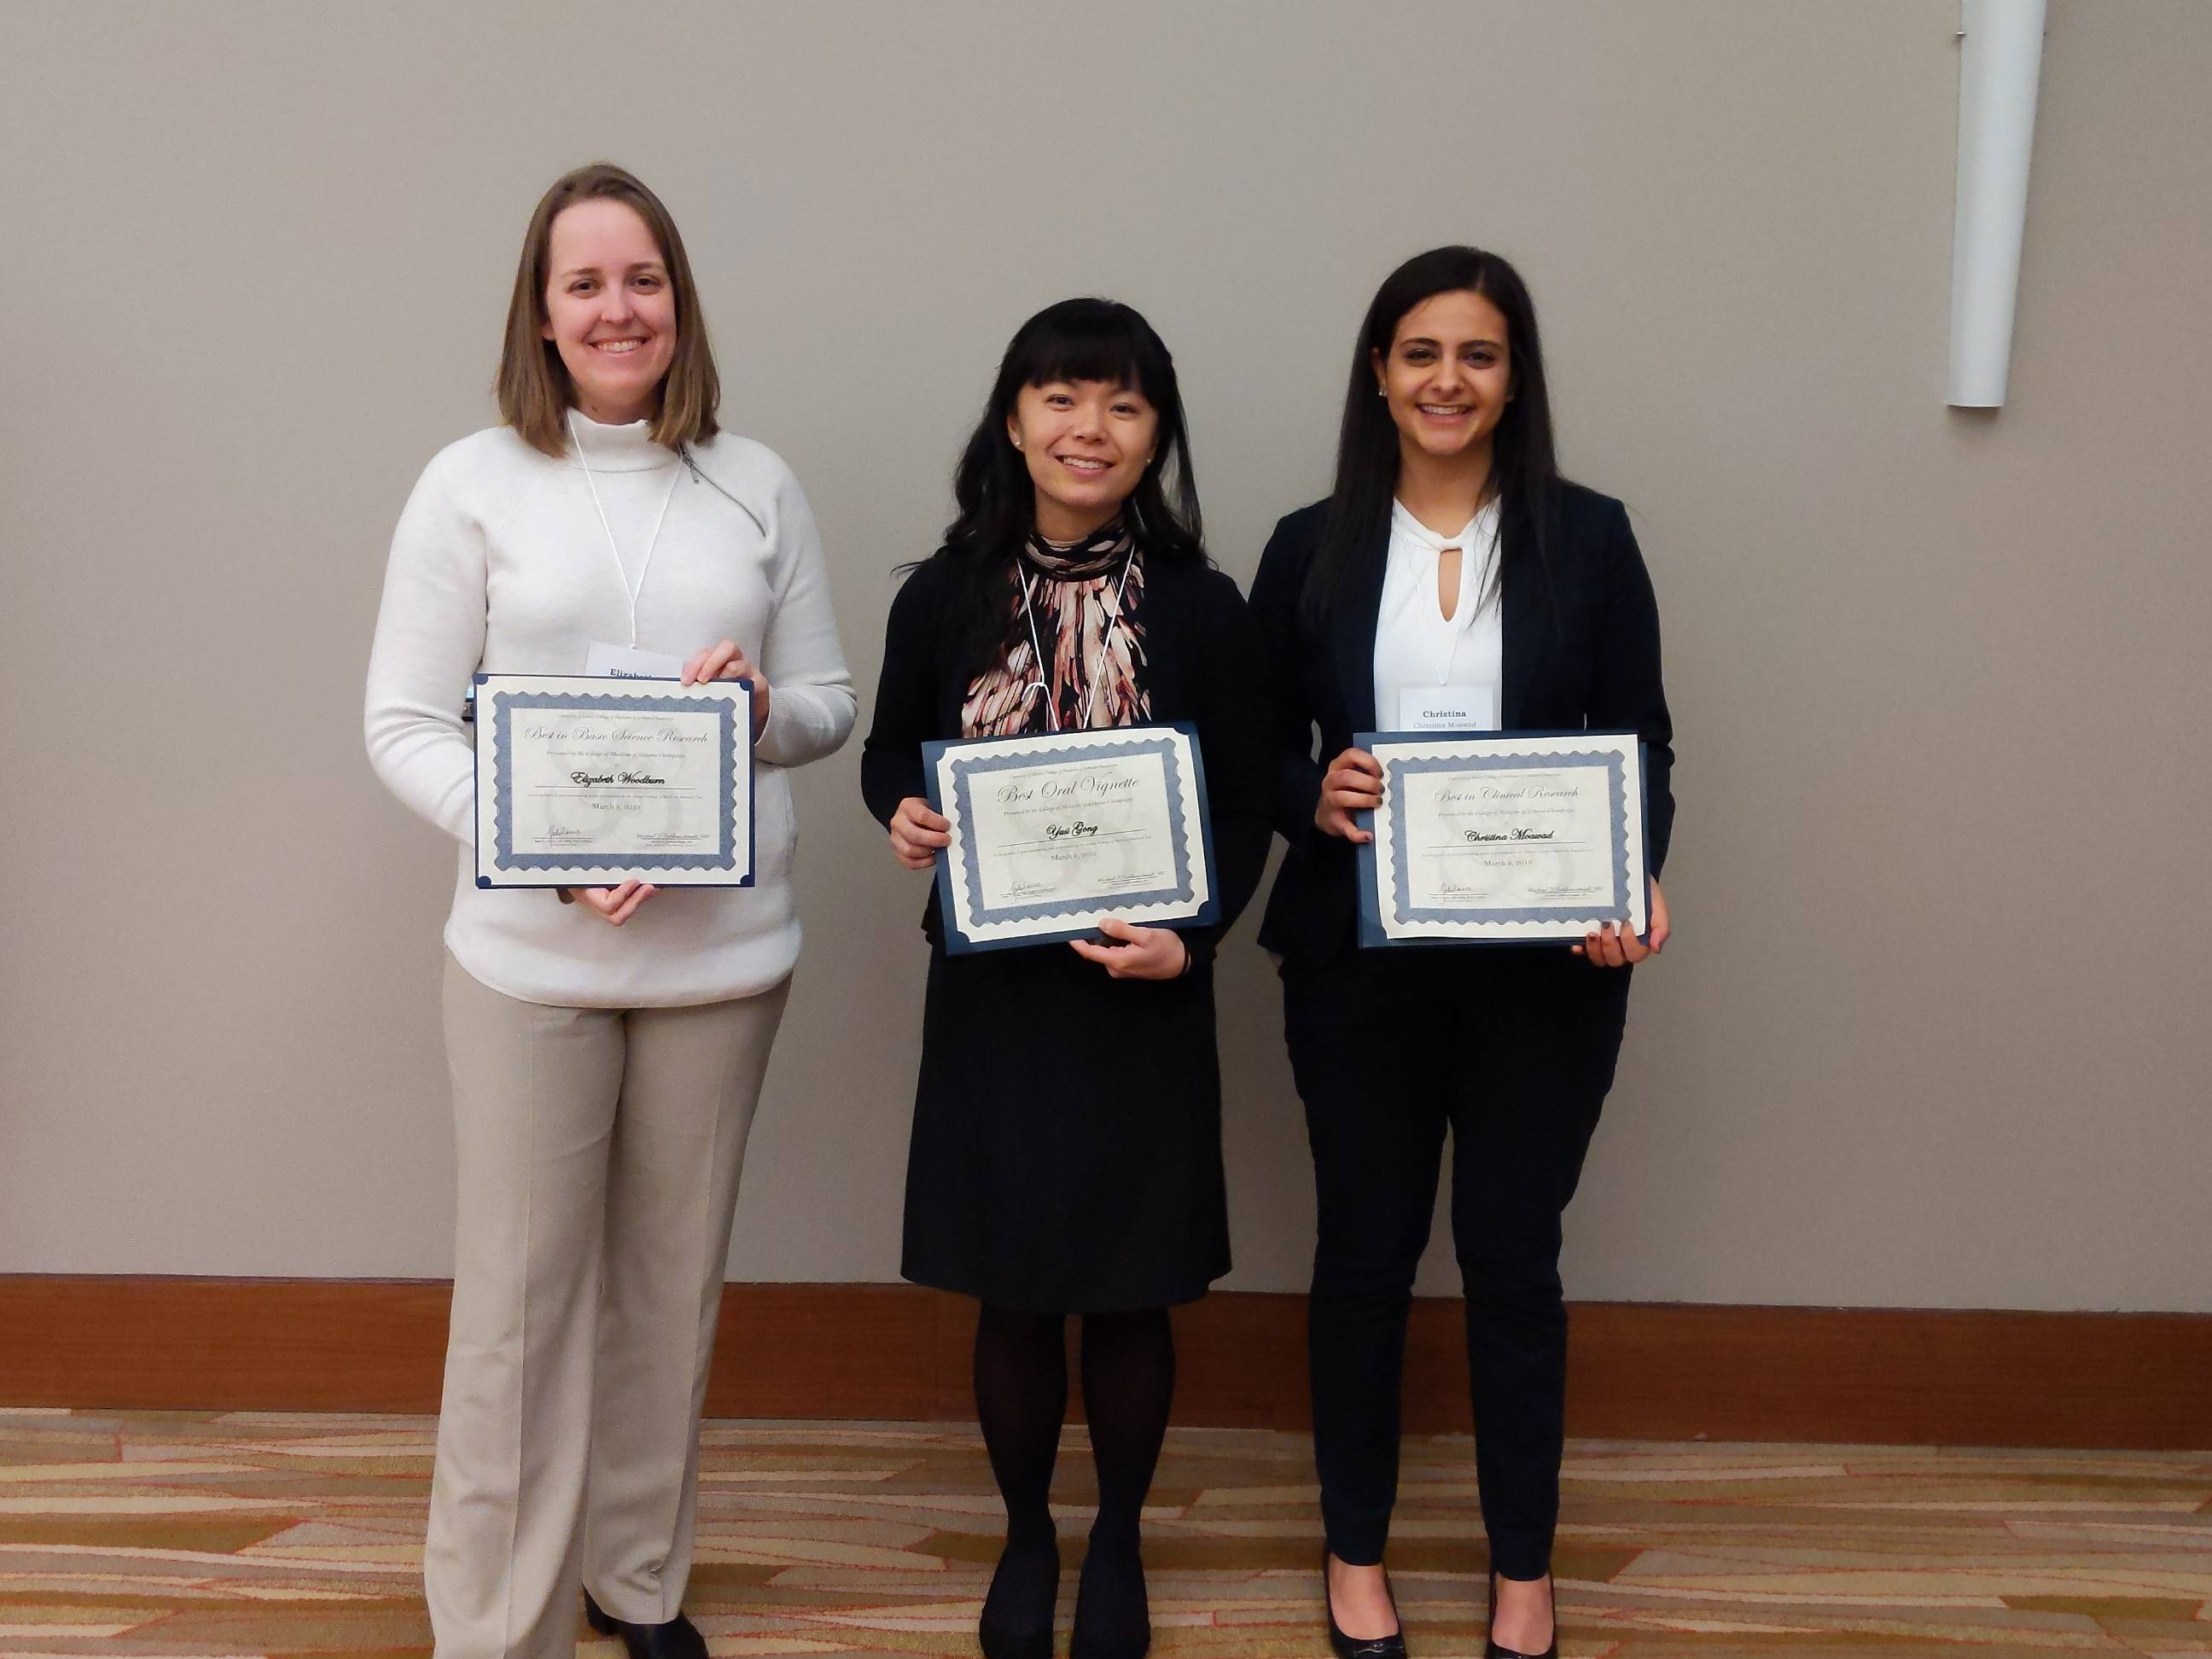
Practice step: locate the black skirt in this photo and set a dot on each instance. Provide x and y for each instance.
(1066, 1151)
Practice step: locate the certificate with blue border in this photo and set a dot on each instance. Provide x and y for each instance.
(1052, 834)
(1503, 838)
(581, 784)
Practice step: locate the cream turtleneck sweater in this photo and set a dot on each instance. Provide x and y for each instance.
(500, 564)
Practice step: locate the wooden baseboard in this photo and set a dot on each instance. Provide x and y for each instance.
(1673, 1371)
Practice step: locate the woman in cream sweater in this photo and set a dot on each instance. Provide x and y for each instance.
(607, 1045)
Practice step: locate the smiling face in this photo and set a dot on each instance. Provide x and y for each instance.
(1449, 376)
(609, 310)
(1087, 444)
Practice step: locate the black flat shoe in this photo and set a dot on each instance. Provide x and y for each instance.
(678, 1639)
(1492, 1650)
(1017, 1621)
(1392, 1646)
(1113, 1620)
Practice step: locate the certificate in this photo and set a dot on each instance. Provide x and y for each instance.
(581, 784)
(1517, 837)
(1053, 835)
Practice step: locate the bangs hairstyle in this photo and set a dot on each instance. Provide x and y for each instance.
(534, 388)
(1524, 467)
(1075, 340)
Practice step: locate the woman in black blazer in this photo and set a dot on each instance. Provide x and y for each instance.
(1451, 549)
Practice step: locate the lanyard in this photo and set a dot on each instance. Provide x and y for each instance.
(1105, 649)
(621, 575)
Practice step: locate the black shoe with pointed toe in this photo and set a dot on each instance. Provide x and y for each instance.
(1492, 1650)
(678, 1639)
(1392, 1646)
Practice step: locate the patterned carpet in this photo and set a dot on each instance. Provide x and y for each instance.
(157, 1535)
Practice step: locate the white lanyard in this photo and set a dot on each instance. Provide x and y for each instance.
(621, 575)
(1036, 652)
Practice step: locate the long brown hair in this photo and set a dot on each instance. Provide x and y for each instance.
(535, 392)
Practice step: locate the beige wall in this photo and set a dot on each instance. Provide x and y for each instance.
(1928, 1036)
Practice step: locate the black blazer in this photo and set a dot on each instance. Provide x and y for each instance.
(1581, 650)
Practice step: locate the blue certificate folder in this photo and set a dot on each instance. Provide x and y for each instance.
(513, 713)
(1187, 897)
(1403, 915)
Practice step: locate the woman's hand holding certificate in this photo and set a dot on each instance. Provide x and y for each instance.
(1129, 951)
(728, 661)
(918, 834)
(1610, 947)
(1352, 784)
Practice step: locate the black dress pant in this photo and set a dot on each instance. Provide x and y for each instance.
(1512, 1048)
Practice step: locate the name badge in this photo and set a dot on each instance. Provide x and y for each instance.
(627, 662)
(1448, 709)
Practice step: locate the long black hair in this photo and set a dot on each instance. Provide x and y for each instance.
(1074, 340)
(1524, 470)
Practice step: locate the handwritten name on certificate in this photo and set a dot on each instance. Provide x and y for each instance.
(1052, 834)
(586, 782)
(1517, 837)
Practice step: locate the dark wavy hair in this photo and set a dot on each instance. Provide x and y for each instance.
(1524, 472)
(1074, 340)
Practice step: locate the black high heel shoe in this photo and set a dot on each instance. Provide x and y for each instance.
(1392, 1646)
(1490, 1648)
(678, 1639)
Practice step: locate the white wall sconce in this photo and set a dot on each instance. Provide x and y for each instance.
(2000, 61)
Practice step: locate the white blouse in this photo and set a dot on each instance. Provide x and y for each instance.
(1418, 650)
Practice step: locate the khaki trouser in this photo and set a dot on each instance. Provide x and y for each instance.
(598, 1150)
